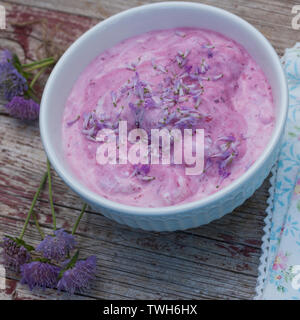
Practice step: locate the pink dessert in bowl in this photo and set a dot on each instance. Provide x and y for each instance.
(183, 78)
(230, 178)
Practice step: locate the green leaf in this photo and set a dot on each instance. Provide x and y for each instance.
(24, 244)
(70, 264)
(18, 65)
(30, 94)
(16, 62)
(40, 259)
(20, 243)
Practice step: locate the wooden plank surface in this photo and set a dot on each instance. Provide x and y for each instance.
(216, 261)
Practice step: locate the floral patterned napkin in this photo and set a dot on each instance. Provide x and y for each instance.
(280, 262)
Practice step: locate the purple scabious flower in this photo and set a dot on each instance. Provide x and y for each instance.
(78, 278)
(12, 83)
(57, 247)
(39, 274)
(14, 255)
(24, 109)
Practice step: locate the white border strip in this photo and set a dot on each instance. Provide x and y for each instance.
(265, 247)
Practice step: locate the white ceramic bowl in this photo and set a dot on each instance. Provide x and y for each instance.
(130, 23)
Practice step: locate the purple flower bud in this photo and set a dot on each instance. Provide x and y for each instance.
(39, 274)
(78, 278)
(14, 255)
(24, 109)
(57, 247)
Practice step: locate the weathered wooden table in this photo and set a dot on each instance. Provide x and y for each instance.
(216, 261)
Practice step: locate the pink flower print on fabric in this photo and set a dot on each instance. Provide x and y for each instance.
(280, 262)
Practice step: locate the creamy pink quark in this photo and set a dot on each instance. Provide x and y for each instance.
(176, 78)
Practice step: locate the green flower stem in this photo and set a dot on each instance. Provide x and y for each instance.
(32, 64)
(33, 204)
(30, 93)
(50, 195)
(79, 218)
(35, 78)
(40, 65)
(38, 225)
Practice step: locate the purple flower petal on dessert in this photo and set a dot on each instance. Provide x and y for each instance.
(149, 103)
(204, 67)
(93, 123)
(114, 98)
(141, 169)
(218, 76)
(208, 46)
(229, 138)
(188, 68)
(86, 119)
(162, 68)
(138, 113)
(70, 123)
(227, 156)
(210, 54)
(141, 172)
(224, 165)
(133, 65)
(168, 118)
(181, 58)
(133, 107)
(223, 172)
(197, 100)
(188, 122)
